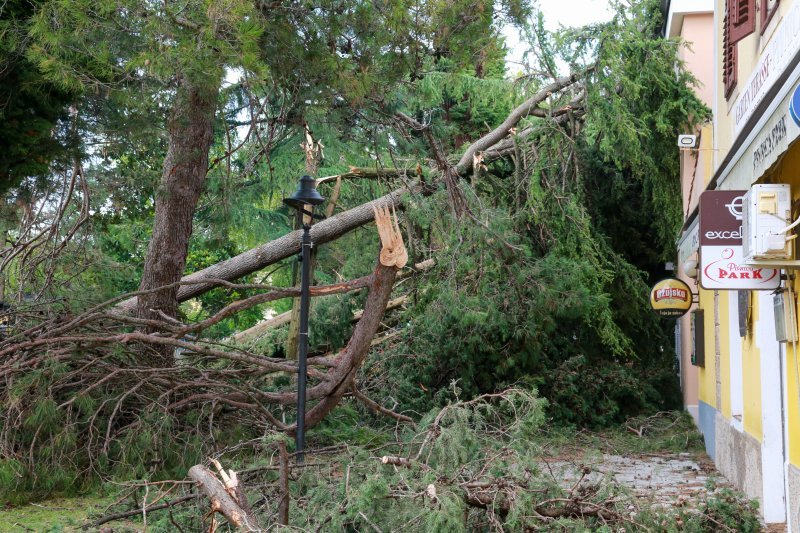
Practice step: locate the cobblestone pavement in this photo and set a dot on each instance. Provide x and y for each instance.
(665, 479)
(661, 479)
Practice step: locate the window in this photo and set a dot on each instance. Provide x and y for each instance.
(768, 9)
(742, 18)
(728, 52)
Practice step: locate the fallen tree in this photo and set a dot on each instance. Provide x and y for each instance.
(281, 248)
(476, 462)
(336, 226)
(96, 397)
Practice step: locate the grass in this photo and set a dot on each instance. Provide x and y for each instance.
(54, 515)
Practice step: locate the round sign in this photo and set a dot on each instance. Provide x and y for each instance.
(794, 106)
(671, 298)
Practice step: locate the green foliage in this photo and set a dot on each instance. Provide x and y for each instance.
(348, 487)
(729, 509)
(497, 312)
(550, 287)
(495, 430)
(350, 426)
(65, 439)
(543, 286)
(31, 108)
(642, 100)
(29, 117)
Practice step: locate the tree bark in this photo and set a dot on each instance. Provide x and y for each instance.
(191, 131)
(283, 484)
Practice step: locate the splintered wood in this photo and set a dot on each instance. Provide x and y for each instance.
(227, 496)
(393, 250)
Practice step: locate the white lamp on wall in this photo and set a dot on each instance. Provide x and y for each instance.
(690, 268)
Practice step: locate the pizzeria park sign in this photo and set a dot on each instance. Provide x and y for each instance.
(722, 265)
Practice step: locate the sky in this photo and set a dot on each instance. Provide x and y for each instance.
(560, 13)
(573, 12)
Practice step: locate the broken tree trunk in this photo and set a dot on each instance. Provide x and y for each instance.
(393, 257)
(365, 173)
(224, 499)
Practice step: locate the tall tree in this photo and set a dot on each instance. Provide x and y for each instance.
(325, 53)
(137, 50)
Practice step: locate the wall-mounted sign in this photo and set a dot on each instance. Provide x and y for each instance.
(775, 58)
(722, 265)
(671, 298)
(772, 141)
(764, 146)
(794, 105)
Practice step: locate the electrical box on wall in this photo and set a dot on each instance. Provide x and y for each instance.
(785, 317)
(765, 214)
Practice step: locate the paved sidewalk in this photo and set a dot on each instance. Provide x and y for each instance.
(668, 479)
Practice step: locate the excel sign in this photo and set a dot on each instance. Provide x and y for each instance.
(722, 265)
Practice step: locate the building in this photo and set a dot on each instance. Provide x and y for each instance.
(739, 356)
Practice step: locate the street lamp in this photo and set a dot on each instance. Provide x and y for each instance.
(305, 195)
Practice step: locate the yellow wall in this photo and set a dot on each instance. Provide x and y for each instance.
(788, 171)
(793, 409)
(751, 377)
(706, 161)
(706, 375)
(751, 362)
(724, 351)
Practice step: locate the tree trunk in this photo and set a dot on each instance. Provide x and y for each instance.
(191, 131)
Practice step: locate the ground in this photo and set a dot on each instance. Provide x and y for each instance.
(658, 460)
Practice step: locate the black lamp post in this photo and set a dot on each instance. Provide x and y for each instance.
(305, 195)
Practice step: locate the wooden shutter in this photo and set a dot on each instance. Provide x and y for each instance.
(742, 19)
(767, 12)
(728, 53)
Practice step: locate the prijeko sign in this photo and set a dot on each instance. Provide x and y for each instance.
(722, 265)
(671, 298)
